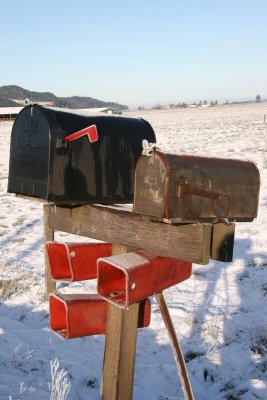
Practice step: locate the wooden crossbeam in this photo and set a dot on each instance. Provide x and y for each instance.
(190, 242)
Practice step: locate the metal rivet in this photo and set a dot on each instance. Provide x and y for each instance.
(72, 254)
(133, 286)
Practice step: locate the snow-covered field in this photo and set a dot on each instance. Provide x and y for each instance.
(220, 313)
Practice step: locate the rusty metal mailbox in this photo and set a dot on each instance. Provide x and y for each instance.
(73, 159)
(185, 188)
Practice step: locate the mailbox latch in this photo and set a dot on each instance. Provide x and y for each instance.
(222, 200)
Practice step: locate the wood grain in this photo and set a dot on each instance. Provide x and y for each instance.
(190, 242)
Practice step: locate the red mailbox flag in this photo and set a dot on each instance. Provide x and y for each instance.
(90, 131)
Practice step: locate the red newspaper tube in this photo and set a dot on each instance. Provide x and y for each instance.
(77, 315)
(75, 261)
(129, 278)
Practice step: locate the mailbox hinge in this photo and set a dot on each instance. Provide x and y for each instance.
(61, 143)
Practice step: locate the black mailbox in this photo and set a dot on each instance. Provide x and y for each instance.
(96, 167)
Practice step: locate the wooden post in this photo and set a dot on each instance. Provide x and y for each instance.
(120, 347)
(178, 355)
(50, 285)
(222, 244)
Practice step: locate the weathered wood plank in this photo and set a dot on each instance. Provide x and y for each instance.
(50, 284)
(190, 242)
(120, 347)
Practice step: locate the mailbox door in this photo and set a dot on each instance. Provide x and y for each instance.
(151, 183)
(29, 154)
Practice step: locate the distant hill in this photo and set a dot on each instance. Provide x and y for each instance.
(18, 93)
(12, 92)
(7, 103)
(85, 102)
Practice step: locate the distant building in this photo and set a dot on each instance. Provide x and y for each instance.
(9, 113)
(90, 111)
(107, 110)
(26, 102)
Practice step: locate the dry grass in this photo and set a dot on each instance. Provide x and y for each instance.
(18, 284)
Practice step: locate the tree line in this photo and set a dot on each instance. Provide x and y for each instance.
(201, 103)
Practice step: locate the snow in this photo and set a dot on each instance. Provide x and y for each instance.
(219, 313)
(10, 110)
